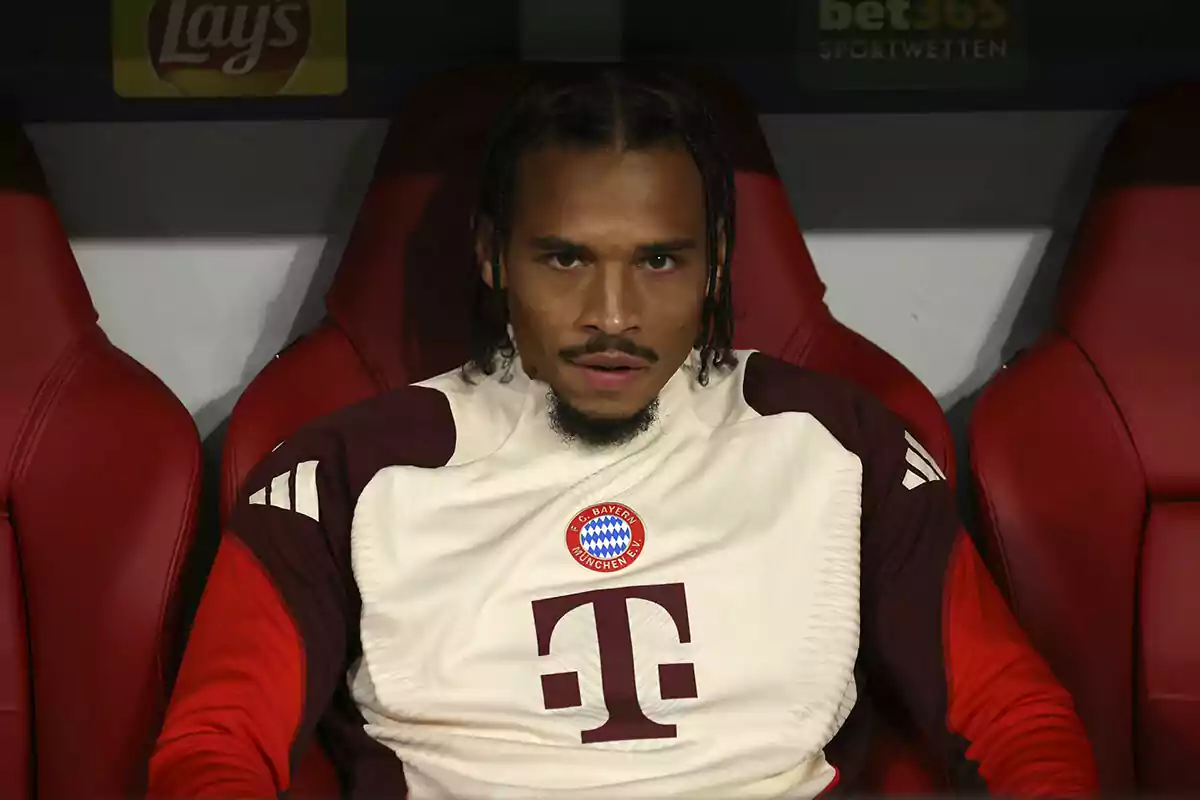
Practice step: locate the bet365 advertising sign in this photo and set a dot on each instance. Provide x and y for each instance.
(912, 44)
(236, 48)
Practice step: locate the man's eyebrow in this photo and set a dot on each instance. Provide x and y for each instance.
(664, 246)
(555, 243)
(667, 246)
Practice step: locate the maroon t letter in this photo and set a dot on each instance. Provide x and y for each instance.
(626, 720)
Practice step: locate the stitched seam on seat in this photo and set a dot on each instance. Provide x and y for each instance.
(1108, 395)
(169, 604)
(169, 597)
(1136, 671)
(38, 413)
(996, 541)
(376, 372)
(28, 434)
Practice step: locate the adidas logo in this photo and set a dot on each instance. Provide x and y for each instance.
(295, 490)
(921, 466)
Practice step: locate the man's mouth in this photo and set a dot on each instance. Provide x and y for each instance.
(609, 372)
(610, 362)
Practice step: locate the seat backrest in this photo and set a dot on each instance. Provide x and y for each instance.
(99, 479)
(1084, 453)
(400, 305)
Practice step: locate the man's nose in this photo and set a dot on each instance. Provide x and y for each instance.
(613, 302)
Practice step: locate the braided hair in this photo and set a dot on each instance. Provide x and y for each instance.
(597, 106)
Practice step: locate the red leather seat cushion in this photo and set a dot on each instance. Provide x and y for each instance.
(1084, 455)
(99, 479)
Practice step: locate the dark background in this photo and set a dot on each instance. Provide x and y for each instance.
(1075, 54)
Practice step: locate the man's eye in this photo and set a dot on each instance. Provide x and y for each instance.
(564, 260)
(660, 262)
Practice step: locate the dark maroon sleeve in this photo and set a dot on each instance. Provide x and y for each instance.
(937, 637)
(270, 636)
(264, 673)
(307, 560)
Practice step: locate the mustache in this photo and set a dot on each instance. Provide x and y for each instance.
(607, 343)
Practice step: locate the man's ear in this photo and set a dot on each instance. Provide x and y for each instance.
(483, 254)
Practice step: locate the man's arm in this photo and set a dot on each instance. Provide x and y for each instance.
(268, 645)
(939, 638)
(238, 698)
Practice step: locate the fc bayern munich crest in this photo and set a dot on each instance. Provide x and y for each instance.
(606, 537)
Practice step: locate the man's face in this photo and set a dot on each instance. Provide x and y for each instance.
(606, 272)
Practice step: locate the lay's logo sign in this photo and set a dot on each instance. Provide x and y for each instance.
(241, 48)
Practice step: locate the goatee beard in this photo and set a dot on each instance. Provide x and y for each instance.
(574, 425)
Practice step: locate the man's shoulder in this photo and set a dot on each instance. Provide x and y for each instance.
(860, 422)
(408, 426)
(416, 415)
(852, 414)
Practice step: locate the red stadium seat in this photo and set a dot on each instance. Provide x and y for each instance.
(400, 306)
(99, 481)
(1084, 453)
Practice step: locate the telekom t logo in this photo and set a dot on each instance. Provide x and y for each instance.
(626, 720)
